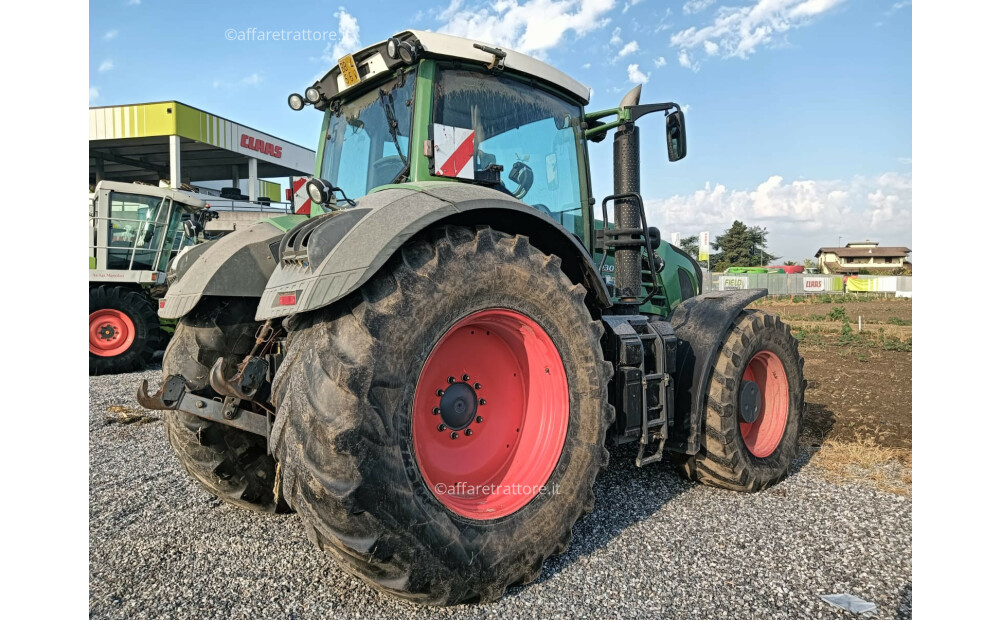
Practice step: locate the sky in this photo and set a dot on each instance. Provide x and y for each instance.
(798, 111)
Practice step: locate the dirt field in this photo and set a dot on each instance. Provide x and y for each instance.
(859, 399)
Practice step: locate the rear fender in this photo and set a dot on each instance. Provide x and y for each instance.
(323, 263)
(700, 324)
(237, 265)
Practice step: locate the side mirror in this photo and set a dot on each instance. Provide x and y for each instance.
(676, 139)
(190, 229)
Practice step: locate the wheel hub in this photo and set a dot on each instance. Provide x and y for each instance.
(458, 406)
(749, 402)
(107, 332)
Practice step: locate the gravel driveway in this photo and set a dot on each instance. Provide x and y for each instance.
(655, 546)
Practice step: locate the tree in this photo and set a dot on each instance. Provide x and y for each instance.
(741, 246)
(790, 263)
(809, 263)
(690, 246)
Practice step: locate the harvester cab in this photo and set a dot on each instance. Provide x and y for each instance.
(452, 333)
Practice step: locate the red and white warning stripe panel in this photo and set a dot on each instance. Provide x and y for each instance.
(454, 148)
(300, 197)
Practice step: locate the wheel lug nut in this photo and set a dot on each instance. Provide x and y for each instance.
(451, 379)
(436, 411)
(441, 427)
(465, 377)
(478, 386)
(479, 419)
(440, 392)
(468, 432)
(482, 401)
(454, 434)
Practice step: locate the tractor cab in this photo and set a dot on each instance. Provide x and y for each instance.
(425, 106)
(136, 229)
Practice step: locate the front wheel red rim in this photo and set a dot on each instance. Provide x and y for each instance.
(490, 414)
(767, 382)
(111, 332)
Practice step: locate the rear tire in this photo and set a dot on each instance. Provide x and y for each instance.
(348, 431)
(124, 330)
(231, 463)
(736, 454)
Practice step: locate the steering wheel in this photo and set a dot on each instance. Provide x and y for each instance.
(386, 169)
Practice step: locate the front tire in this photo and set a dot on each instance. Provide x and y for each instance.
(124, 330)
(365, 386)
(753, 410)
(229, 462)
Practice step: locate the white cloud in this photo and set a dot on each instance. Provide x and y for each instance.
(586, 65)
(111, 34)
(629, 4)
(252, 80)
(695, 6)
(348, 36)
(800, 215)
(685, 61)
(107, 65)
(94, 93)
(616, 37)
(738, 31)
(635, 76)
(531, 27)
(133, 2)
(897, 5)
(659, 62)
(629, 48)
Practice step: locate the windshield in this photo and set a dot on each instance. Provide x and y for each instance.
(533, 134)
(137, 228)
(362, 149)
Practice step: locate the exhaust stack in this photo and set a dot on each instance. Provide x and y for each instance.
(628, 267)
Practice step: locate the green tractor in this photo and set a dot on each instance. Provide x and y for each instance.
(430, 368)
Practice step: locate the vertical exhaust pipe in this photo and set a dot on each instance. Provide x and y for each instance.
(628, 268)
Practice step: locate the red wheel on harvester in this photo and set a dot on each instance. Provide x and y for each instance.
(475, 442)
(111, 332)
(123, 331)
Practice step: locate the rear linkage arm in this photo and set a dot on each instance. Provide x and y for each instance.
(250, 384)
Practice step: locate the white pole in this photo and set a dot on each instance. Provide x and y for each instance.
(175, 161)
(252, 181)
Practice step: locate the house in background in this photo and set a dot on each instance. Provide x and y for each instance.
(866, 255)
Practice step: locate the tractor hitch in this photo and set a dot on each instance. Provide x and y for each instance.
(173, 395)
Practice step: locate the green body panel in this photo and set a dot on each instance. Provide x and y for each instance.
(284, 223)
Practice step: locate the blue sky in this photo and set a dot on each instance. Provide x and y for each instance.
(798, 111)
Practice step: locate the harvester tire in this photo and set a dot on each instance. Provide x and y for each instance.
(748, 448)
(231, 463)
(124, 330)
(364, 460)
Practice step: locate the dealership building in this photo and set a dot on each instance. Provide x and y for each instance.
(169, 143)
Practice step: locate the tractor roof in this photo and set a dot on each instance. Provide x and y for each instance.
(373, 61)
(152, 190)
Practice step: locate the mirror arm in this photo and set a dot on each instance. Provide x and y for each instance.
(638, 111)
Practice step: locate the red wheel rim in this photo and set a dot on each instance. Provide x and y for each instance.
(111, 332)
(763, 435)
(490, 462)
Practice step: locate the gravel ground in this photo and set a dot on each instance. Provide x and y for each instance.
(655, 546)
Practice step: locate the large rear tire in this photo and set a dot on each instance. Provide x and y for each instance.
(753, 409)
(124, 330)
(231, 463)
(433, 516)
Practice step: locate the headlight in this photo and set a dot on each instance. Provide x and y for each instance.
(392, 48)
(312, 95)
(295, 102)
(407, 52)
(317, 191)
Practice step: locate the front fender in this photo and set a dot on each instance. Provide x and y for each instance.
(323, 262)
(700, 324)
